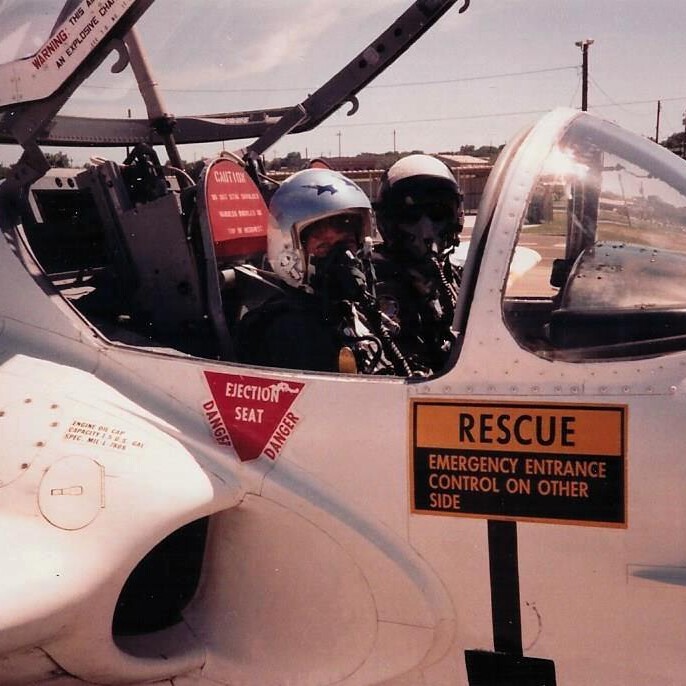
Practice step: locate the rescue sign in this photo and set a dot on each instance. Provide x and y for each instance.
(519, 461)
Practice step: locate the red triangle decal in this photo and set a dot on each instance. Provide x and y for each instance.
(253, 411)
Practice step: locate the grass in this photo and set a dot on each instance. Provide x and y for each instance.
(612, 227)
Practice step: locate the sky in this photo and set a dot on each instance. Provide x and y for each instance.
(475, 78)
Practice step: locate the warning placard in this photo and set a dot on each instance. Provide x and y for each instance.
(253, 414)
(529, 462)
(235, 210)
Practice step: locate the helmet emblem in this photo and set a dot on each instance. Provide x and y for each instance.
(323, 189)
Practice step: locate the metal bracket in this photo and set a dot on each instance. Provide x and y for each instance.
(355, 103)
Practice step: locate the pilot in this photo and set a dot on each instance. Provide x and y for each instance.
(420, 215)
(320, 222)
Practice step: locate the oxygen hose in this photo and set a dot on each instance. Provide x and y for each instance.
(446, 293)
(342, 277)
(370, 310)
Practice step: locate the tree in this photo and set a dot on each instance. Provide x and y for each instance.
(193, 169)
(293, 161)
(486, 152)
(58, 159)
(675, 143)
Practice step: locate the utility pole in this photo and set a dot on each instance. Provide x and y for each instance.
(394, 147)
(657, 121)
(339, 143)
(683, 143)
(584, 44)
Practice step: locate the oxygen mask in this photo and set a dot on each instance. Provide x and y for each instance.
(339, 275)
(331, 245)
(426, 226)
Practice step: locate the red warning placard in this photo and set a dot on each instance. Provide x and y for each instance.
(251, 413)
(236, 212)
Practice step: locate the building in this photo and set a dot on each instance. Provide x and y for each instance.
(368, 168)
(471, 173)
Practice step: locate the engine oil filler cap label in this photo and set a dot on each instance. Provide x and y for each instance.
(538, 462)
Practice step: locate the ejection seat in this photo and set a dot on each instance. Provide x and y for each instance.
(147, 262)
(114, 240)
(231, 215)
(163, 273)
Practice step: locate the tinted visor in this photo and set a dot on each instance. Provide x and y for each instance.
(350, 222)
(436, 210)
(318, 238)
(438, 205)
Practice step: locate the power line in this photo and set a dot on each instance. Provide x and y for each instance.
(413, 84)
(492, 115)
(576, 90)
(433, 119)
(666, 119)
(639, 102)
(404, 84)
(612, 102)
(476, 78)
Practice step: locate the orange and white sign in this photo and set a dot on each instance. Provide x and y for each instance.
(251, 413)
(523, 461)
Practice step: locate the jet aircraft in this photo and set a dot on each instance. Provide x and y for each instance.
(169, 515)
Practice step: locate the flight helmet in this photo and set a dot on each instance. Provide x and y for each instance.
(419, 207)
(302, 201)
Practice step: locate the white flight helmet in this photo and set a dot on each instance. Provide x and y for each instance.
(304, 198)
(419, 188)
